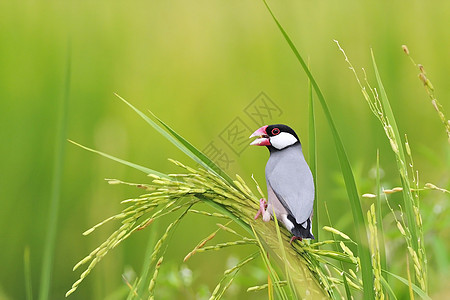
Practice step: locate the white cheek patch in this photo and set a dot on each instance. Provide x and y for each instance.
(282, 140)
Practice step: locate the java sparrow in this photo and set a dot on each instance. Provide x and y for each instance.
(290, 185)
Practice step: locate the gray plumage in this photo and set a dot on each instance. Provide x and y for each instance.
(290, 185)
(290, 178)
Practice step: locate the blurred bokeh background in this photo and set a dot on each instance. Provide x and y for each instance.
(201, 66)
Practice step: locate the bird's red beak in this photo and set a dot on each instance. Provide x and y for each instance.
(263, 139)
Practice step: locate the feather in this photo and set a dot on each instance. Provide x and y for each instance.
(290, 178)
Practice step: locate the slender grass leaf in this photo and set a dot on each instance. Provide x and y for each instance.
(379, 216)
(193, 153)
(150, 171)
(27, 272)
(52, 226)
(388, 288)
(288, 275)
(352, 192)
(407, 196)
(272, 273)
(313, 161)
(269, 288)
(206, 161)
(124, 162)
(131, 288)
(182, 144)
(416, 289)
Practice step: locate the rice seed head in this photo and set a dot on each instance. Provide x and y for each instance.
(405, 49)
(400, 228)
(164, 195)
(370, 196)
(199, 246)
(238, 266)
(335, 231)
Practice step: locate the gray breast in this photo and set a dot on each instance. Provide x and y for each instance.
(290, 178)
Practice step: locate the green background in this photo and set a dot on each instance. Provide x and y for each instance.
(197, 65)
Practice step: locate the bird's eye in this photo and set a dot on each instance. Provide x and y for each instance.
(275, 131)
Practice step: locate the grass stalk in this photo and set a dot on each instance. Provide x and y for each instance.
(27, 272)
(273, 276)
(375, 250)
(380, 106)
(430, 91)
(380, 216)
(313, 160)
(58, 163)
(422, 294)
(287, 272)
(401, 158)
(144, 279)
(352, 192)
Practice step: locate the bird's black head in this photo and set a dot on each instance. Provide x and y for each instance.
(275, 137)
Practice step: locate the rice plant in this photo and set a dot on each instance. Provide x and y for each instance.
(304, 264)
(429, 88)
(302, 270)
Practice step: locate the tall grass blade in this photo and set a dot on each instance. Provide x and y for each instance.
(269, 288)
(50, 239)
(313, 161)
(205, 160)
(380, 216)
(150, 171)
(27, 272)
(195, 154)
(388, 288)
(272, 273)
(124, 162)
(352, 192)
(182, 144)
(407, 196)
(416, 289)
(288, 274)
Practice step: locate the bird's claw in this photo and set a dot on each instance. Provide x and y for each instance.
(262, 208)
(295, 238)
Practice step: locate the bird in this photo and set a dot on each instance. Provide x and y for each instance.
(290, 185)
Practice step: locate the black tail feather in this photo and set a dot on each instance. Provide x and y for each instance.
(299, 230)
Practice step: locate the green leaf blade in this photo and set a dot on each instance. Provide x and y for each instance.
(415, 288)
(313, 161)
(352, 192)
(57, 174)
(407, 196)
(182, 144)
(203, 159)
(124, 162)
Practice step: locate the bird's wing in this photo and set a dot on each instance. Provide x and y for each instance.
(292, 182)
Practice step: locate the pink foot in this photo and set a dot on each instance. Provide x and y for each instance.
(295, 238)
(262, 207)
